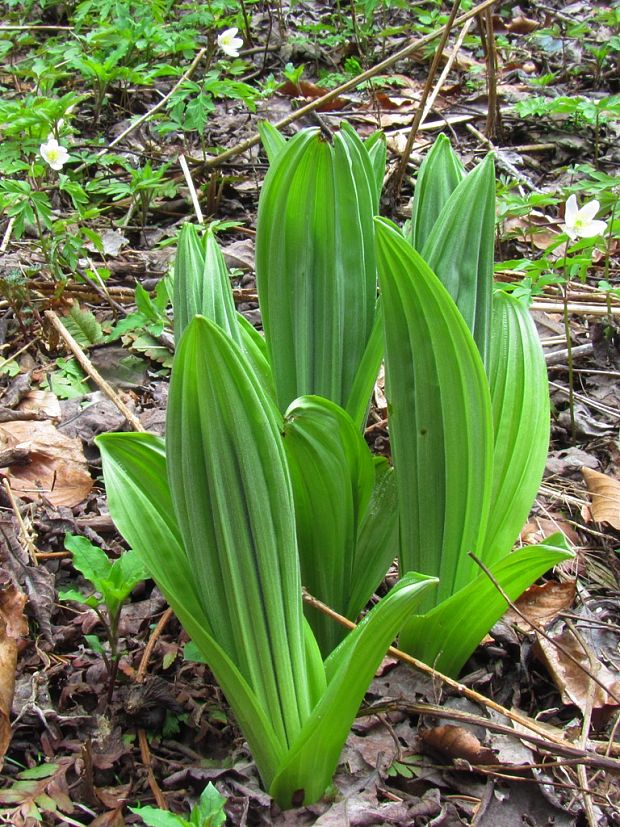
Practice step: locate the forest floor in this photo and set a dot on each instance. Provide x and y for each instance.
(128, 88)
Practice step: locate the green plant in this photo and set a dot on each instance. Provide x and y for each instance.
(345, 501)
(113, 581)
(578, 110)
(468, 410)
(225, 513)
(212, 516)
(142, 185)
(315, 267)
(207, 812)
(36, 792)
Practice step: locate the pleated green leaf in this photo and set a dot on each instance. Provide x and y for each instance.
(255, 349)
(440, 417)
(189, 265)
(377, 149)
(202, 283)
(315, 264)
(134, 467)
(307, 769)
(447, 635)
(333, 477)
(377, 539)
(520, 402)
(459, 249)
(358, 402)
(273, 141)
(234, 505)
(440, 173)
(238, 439)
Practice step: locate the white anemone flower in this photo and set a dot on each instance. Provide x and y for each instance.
(54, 153)
(580, 223)
(229, 43)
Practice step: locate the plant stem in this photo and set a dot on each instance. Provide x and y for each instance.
(569, 354)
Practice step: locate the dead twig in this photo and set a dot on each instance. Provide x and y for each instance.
(92, 371)
(540, 631)
(463, 690)
(145, 754)
(573, 754)
(399, 173)
(317, 103)
(23, 529)
(582, 309)
(148, 649)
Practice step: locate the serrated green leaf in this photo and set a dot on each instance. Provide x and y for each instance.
(128, 570)
(154, 817)
(147, 344)
(209, 811)
(89, 559)
(41, 771)
(83, 326)
(77, 597)
(95, 644)
(146, 305)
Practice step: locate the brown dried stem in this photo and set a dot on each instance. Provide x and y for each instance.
(92, 371)
(317, 103)
(463, 690)
(540, 631)
(399, 174)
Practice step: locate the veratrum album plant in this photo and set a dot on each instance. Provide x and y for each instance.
(212, 514)
(468, 410)
(345, 499)
(265, 482)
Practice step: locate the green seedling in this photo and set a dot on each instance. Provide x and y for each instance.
(208, 812)
(112, 581)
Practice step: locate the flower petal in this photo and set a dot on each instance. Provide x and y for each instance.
(589, 210)
(592, 228)
(571, 210)
(569, 230)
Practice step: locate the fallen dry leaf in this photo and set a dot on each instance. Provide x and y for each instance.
(605, 492)
(455, 742)
(112, 818)
(306, 89)
(538, 528)
(575, 685)
(13, 626)
(112, 796)
(41, 402)
(534, 228)
(57, 471)
(542, 604)
(522, 25)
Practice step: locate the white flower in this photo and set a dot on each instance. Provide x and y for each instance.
(53, 153)
(229, 43)
(580, 223)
